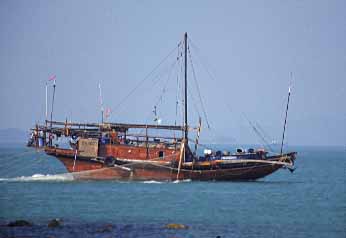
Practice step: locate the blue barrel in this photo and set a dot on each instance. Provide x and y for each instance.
(105, 140)
(40, 142)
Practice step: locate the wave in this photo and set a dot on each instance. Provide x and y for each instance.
(160, 182)
(40, 177)
(152, 181)
(69, 177)
(182, 181)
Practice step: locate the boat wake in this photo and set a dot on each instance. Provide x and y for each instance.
(161, 182)
(152, 182)
(182, 181)
(40, 177)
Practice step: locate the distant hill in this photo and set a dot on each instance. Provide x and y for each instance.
(13, 135)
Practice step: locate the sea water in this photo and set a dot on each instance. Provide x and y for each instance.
(311, 202)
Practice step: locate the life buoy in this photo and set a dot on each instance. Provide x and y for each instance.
(109, 161)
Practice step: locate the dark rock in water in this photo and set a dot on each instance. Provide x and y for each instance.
(176, 226)
(106, 228)
(19, 223)
(55, 223)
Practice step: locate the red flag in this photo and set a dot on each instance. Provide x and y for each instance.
(52, 77)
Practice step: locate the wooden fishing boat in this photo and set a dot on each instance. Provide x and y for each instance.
(123, 151)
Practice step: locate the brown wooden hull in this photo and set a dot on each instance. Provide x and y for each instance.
(151, 171)
(139, 170)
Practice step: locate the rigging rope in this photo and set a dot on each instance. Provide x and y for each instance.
(144, 79)
(198, 90)
(202, 62)
(254, 128)
(189, 91)
(258, 133)
(163, 91)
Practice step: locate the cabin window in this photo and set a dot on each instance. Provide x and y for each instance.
(161, 154)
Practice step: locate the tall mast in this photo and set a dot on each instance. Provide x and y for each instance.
(51, 112)
(185, 88)
(283, 133)
(46, 101)
(101, 103)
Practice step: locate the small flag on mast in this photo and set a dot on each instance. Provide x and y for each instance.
(52, 77)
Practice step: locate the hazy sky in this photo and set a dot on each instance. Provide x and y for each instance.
(250, 48)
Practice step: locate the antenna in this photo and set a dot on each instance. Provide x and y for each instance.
(288, 101)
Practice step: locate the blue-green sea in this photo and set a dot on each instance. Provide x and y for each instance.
(311, 202)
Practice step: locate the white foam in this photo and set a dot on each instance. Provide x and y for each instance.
(182, 181)
(175, 181)
(40, 177)
(152, 181)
